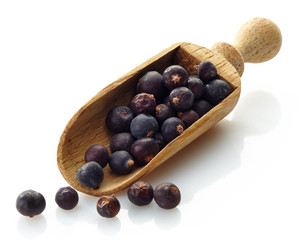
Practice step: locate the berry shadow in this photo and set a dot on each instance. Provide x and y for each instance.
(31, 227)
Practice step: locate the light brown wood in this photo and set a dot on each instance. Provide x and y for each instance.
(87, 126)
(258, 40)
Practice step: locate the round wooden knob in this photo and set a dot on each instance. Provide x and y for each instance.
(258, 40)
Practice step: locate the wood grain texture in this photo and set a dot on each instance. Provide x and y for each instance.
(87, 126)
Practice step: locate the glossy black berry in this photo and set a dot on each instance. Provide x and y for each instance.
(201, 107)
(181, 99)
(90, 175)
(30, 203)
(167, 195)
(216, 90)
(163, 112)
(143, 103)
(196, 86)
(121, 162)
(97, 153)
(67, 198)
(188, 117)
(140, 193)
(121, 141)
(172, 128)
(144, 125)
(207, 71)
(144, 150)
(118, 119)
(175, 76)
(108, 206)
(152, 83)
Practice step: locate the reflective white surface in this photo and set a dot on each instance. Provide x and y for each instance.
(240, 180)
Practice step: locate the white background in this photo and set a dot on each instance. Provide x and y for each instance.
(240, 180)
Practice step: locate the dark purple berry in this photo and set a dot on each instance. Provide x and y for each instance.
(30, 203)
(143, 103)
(144, 150)
(108, 206)
(118, 119)
(188, 117)
(207, 71)
(160, 140)
(144, 125)
(216, 90)
(201, 107)
(90, 175)
(67, 198)
(181, 99)
(140, 193)
(121, 162)
(166, 101)
(152, 83)
(172, 128)
(163, 112)
(121, 141)
(167, 195)
(175, 76)
(196, 86)
(97, 153)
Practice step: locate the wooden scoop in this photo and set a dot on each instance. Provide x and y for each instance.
(258, 40)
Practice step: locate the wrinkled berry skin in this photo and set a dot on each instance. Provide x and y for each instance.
(181, 99)
(97, 153)
(172, 128)
(201, 107)
(188, 117)
(108, 206)
(163, 112)
(140, 193)
(144, 150)
(144, 125)
(30, 203)
(121, 141)
(118, 119)
(67, 198)
(207, 71)
(196, 86)
(216, 90)
(167, 195)
(152, 83)
(121, 162)
(143, 103)
(175, 76)
(90, 175)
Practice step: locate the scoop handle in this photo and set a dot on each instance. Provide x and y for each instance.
(258, 40)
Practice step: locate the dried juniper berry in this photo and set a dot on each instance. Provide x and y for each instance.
(143, 103)
(140, 193)
(121, 162)
(97, 153)
(152, 83)
(201, 107)
(163, 112)
(175, 76)
(160, 140)
(207, 71)
(188, 117)
(196, 86)
(90, 175)
(121, 141)
(30, 203)
(67, 198)
(172, 128)
(167, 195)
(216, 90)
(181, 99)
(118, 119)
(108, 206)
(144, 150)
(144, 125)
